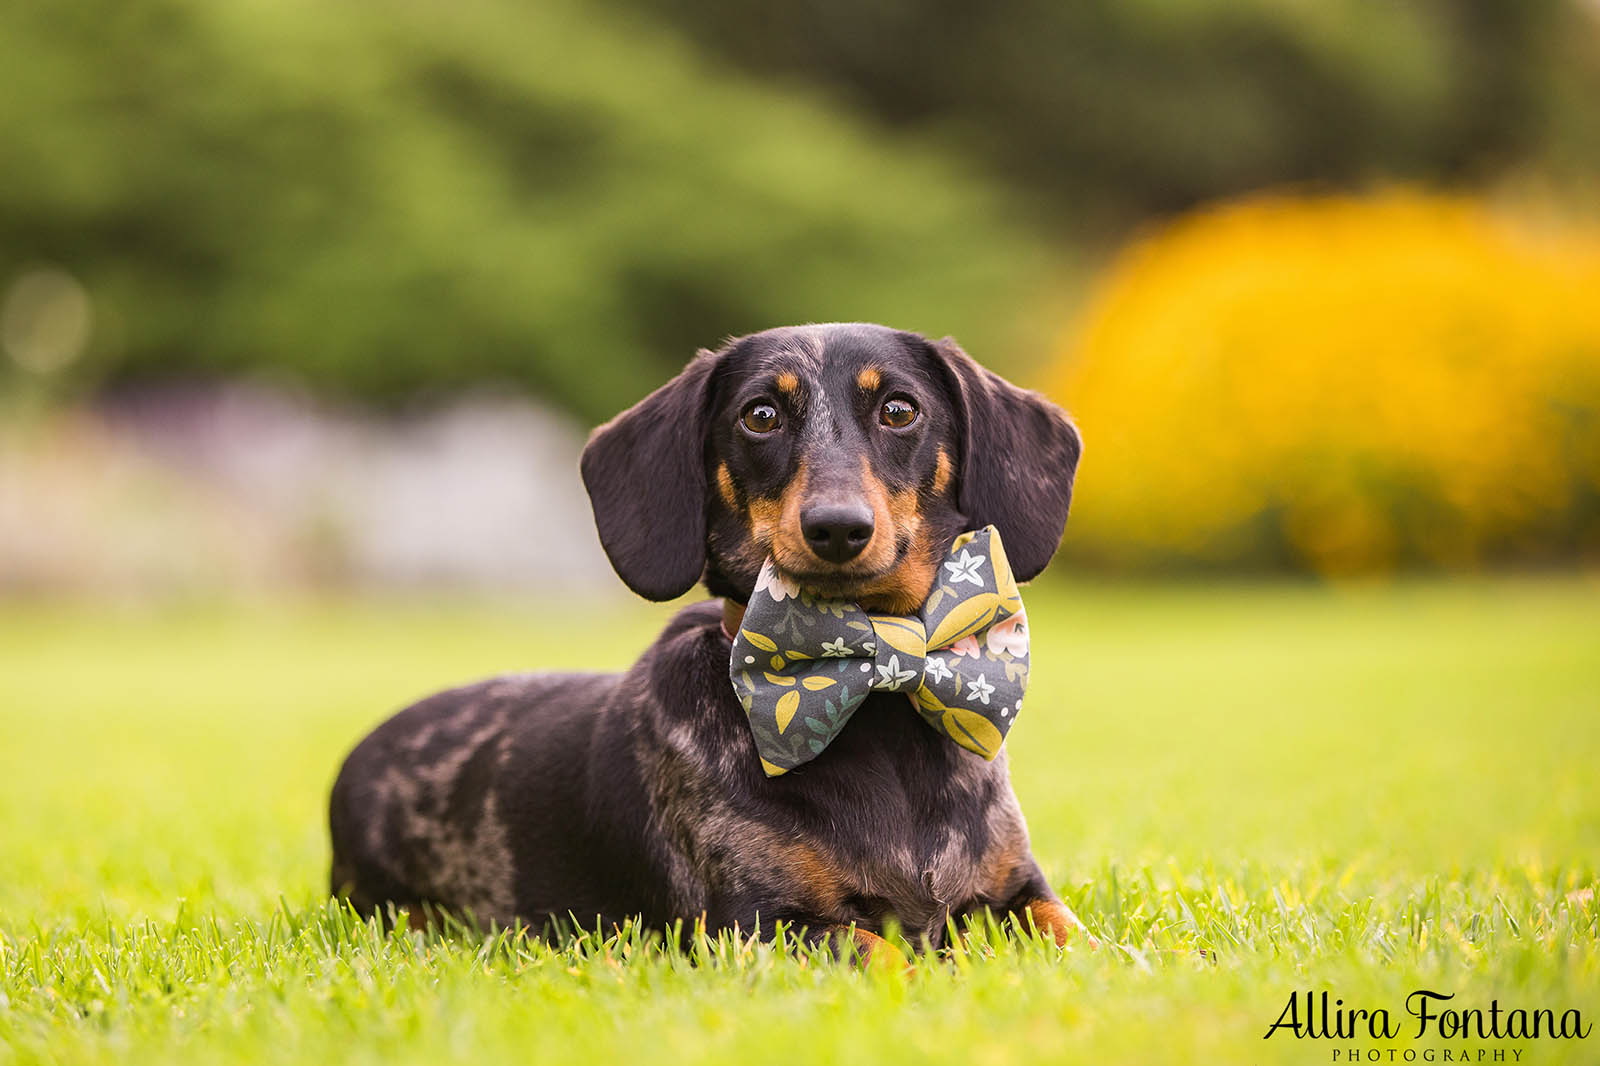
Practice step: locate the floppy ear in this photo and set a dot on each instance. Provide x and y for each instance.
(1019, 453)
(645, 473)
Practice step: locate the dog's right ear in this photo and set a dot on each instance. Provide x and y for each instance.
(646, 477)
(1019, 455)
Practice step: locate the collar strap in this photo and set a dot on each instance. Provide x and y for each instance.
(732, 615)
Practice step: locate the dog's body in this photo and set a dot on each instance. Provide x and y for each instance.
(641, 794)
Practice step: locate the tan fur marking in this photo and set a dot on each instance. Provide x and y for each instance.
(903, 589)
(1054, 919)
(885, 532)
(941, 473)
(808, 868)
(788, 382)
(725, 486)
(775, 524)
(1006, 853)
(869, 379)
(897, 517)
(819, 881)
(906, 508)
(764, 514)
(875, 952)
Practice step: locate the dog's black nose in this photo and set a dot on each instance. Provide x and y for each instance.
(837, 532)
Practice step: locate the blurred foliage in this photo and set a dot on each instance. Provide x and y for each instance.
(1112, 109)
(379, 197)
(1345, 386)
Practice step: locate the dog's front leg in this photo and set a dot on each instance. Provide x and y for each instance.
(863, 947)
(848, 942)
(1035, 905)
(1052, 918)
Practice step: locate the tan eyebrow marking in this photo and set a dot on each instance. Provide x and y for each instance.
(869, 379)
(788, 382)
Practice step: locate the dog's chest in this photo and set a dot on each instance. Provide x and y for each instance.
(892, 821)
(872, 849)
(912, 881)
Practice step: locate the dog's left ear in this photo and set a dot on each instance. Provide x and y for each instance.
(646, 477)
(1019, 453)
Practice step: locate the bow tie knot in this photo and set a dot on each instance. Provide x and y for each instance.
(802, 665)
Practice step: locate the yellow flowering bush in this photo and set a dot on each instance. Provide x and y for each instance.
(1345, 385)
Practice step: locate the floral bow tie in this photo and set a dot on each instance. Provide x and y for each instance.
(802, 665)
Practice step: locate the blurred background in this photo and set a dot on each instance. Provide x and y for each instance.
(323, 297)
(307, 308)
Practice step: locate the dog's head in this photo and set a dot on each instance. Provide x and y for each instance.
(853, 455)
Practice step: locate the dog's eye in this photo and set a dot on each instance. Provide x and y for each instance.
(898, 413)
(760, 418)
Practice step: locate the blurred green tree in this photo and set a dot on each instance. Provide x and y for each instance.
(1109, 110)
(377, 198)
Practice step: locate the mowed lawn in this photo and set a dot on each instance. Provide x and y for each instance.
(1245, 791)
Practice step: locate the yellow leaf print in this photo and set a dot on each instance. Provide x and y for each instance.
(904, 635)
(1004, 580)
(758, 640)
(777, 662)
(964, 619)
(779, 679)
(817, 684)
(969, 729)
(788, 703)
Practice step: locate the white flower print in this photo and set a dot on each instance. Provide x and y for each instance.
(936, 669)
(776, 585)
(1009, 637)
(835, 649)
(980, 690)
(968, 646)
(965, 568)
(890, 676)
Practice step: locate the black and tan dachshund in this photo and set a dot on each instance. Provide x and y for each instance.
(852, 455)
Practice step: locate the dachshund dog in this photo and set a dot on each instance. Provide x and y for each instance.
(851, 455)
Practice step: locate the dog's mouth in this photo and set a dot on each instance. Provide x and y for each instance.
(882, 588)
(832, 584)
(834, 580)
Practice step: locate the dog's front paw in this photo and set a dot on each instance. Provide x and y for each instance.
(1055, 919)
(868, 950)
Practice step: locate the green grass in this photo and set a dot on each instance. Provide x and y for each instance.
(1243, 791)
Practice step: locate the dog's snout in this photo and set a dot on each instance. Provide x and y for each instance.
(837, 531)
